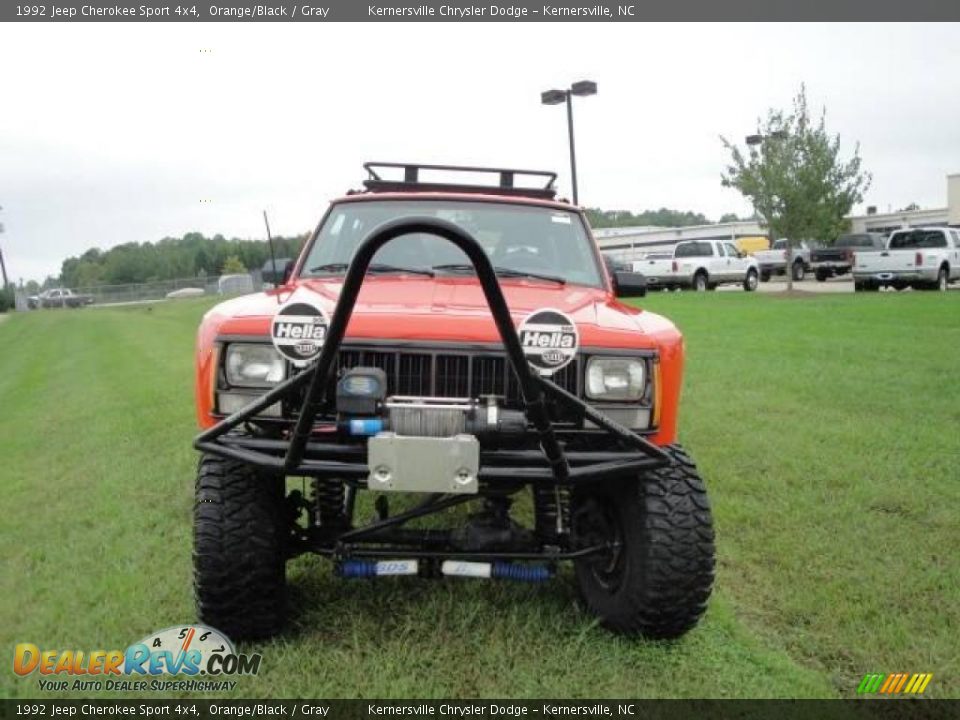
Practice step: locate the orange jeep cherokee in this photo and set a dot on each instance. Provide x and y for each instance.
(458, 343)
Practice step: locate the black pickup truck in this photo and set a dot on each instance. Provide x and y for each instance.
(837, 259)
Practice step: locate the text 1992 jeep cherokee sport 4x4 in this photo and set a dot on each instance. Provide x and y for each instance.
(464, 344)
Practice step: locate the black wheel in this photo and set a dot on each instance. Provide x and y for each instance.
(750, 282)
(700, 281)
(822, 275)
(656, 579)
(764, 276)
(239, 561)
(799, 271)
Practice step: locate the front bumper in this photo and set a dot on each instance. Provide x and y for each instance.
(834, 265)
(903, 276)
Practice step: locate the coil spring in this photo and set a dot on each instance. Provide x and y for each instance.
(551, 506)
(328, 496)
(357, 569)
(525, 573)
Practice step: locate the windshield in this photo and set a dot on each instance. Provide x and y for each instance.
(848, 241)
(528, 240)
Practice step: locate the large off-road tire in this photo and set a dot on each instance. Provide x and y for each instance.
(799, 271)
(750, 282)
(822, 275)
(700, 283)
(239, 561)
(658, 577)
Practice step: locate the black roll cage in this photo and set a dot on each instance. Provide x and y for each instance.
(300, 456)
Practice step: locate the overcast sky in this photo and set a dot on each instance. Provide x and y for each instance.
(117, 132)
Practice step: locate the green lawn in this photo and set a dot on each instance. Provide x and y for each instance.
(828, 429)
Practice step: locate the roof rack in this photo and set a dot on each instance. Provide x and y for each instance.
(411, 180)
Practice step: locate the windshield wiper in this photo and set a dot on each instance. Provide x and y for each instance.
(330, 267)
(510, 272)
(382, 268)
(374, 268)
(502, 271)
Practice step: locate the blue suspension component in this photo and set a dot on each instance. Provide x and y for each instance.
(363, 427)
(357, 569)
(516, 571)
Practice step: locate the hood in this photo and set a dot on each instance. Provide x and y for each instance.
(448, 309)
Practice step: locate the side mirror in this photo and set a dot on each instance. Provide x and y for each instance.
(629, 284)
(288, 271)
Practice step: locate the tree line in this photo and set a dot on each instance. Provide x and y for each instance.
(664, 217)
(195, 255)
(192, 256)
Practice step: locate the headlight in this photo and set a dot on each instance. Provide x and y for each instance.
(253, 365)
(613, 378)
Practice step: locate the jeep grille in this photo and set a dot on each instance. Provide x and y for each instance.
(445, 374)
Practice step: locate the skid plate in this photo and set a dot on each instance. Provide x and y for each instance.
(400, 463)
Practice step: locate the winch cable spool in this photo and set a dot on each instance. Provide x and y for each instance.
(427, 421)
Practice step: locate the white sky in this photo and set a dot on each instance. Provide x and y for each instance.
(115, 132)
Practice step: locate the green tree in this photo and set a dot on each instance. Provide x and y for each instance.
(795, 177)
(664, 217)
(233, 266)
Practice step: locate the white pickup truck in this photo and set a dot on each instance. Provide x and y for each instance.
(701, 265)
(922, 258)
(774, 260)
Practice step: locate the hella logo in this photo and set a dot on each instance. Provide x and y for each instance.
(553, 357)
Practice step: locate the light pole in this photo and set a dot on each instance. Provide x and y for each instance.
(758, 139)
(556, 97)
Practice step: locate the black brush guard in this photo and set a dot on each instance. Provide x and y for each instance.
(299, 456)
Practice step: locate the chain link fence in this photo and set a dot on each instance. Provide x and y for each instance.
(162, 289)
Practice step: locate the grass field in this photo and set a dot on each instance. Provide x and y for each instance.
(828, 429)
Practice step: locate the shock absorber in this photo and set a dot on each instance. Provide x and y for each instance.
(551, 506)
(328, 497)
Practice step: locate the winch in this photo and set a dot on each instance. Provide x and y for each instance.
(365, 410)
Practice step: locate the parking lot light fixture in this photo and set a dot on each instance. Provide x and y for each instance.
(581, 88)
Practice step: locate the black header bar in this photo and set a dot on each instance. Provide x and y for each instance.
(188, 11)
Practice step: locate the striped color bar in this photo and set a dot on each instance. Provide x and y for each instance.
(894, 683)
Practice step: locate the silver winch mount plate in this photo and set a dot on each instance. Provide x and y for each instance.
(400, 463)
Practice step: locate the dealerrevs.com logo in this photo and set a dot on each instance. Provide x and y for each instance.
(183, 650)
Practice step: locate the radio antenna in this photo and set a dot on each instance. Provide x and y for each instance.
(273, 257)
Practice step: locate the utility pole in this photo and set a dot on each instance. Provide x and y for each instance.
(3, 265)
(3, 268)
